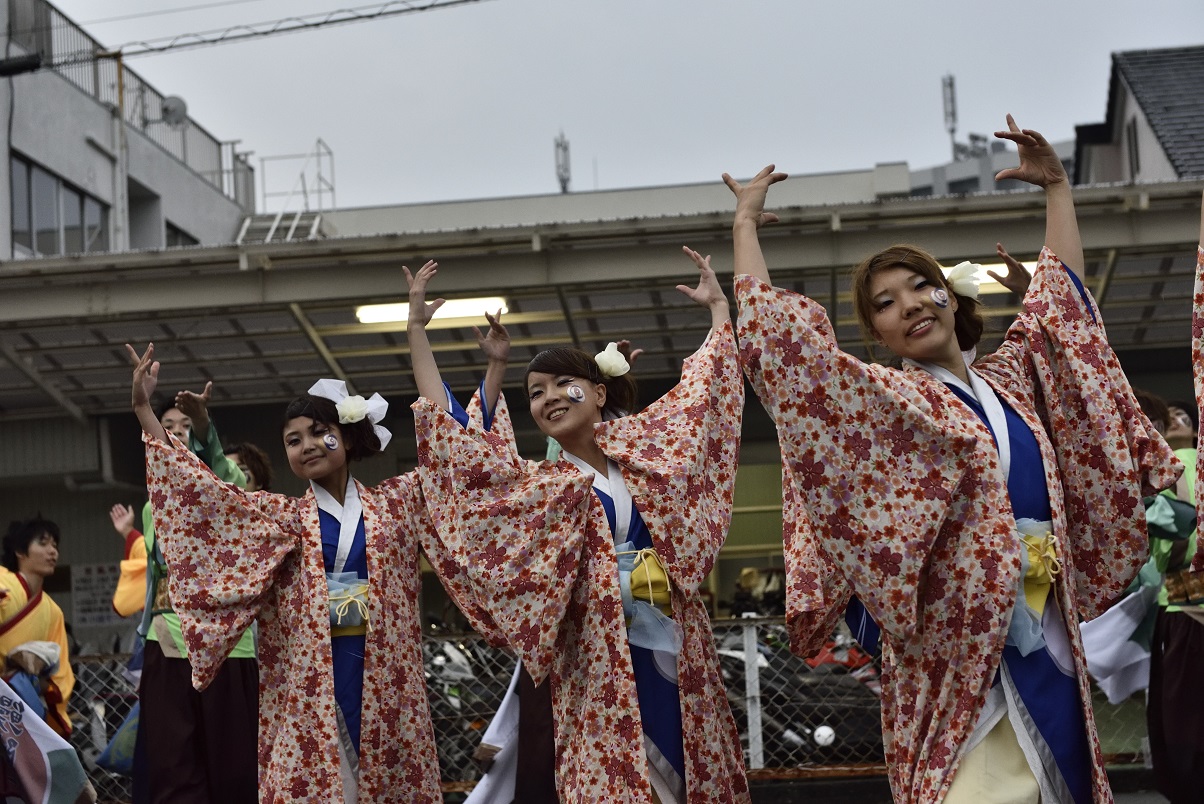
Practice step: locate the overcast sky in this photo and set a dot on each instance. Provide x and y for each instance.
(465, 102)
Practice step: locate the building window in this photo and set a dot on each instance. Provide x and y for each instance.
(1134, 154)
(51, 217)
(175, 237)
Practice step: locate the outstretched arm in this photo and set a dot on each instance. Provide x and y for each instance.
(422, 357)
(751, 216)
(708, 294)
(146, 380)
(496, 345)
(1039, 165)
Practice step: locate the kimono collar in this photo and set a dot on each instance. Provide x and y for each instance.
(979, 390)
(348, 516)
(612, 486)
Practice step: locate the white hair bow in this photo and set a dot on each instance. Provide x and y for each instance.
(354, 408)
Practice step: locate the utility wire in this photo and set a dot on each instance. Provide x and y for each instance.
(259, 30)
(160, 12)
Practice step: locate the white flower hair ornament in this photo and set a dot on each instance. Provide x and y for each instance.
(964, 279)
(355, 408)
(611, 361)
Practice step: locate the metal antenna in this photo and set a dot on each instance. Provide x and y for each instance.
(563, 170)
(950, 96)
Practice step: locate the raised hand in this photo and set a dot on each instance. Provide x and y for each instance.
(750, 198)
(194, 405)
(122, 517)
(146, 380)
(1017, 279)
(625, 349)
(708, 293)
(146, 375)
(495, 342)
(421, 312)
(1039, 163)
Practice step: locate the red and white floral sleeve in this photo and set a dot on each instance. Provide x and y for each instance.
(1197, 363)
(872, 473)
(223, 547)
(403, 498)
(1057, 358)
(681, 454)
(517, 532)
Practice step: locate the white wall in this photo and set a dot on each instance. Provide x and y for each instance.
(68, 132)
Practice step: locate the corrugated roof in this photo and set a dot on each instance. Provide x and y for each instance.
(1167, 84)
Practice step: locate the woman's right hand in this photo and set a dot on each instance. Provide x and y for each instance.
(750, 197)
(146, 380)
(421, 312)
(146, 376)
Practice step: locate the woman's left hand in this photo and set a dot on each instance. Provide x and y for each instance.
(1017, 279)
(1039, 163)
(496, 342)
(708, 293)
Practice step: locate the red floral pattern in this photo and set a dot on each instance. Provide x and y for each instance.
(911, 511)
(547, 569)
(1197, 362)
(237, 556)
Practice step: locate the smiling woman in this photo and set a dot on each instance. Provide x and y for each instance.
(332, 579)
(590, 564)
(959, 500)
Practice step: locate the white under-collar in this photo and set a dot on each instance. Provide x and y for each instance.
(981, 391)
(348, 514)
(613, 486)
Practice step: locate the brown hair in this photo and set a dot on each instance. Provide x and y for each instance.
(1155, 409)
(620, 391)
(967, 320)
(358, 437)
(256, 460)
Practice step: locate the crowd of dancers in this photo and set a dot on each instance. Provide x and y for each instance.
(974, 508)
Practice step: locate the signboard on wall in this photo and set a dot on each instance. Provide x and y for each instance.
(92, 588)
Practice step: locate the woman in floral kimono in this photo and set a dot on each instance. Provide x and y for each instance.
(590, 564)
(979, 512)
(334, 582)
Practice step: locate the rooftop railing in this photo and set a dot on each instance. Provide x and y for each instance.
(39, 27)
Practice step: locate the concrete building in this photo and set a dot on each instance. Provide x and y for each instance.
(99, 159)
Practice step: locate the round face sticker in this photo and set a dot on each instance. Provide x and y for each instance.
(331, 442)
(576, 393)
(940, 297)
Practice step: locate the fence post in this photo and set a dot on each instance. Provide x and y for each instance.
(752, 694)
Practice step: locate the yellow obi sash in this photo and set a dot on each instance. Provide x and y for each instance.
(649, 580)
(1043, 567)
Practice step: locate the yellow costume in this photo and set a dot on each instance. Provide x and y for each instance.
(21, 622)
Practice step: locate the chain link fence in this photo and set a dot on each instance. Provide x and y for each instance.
(796, 716)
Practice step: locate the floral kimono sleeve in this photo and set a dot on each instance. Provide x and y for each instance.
(403, 497)
(1056, 357)
(872, 473)
(1197, 362)
(223, 546)
(681, 455)
(496, 421)
(517, 532)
